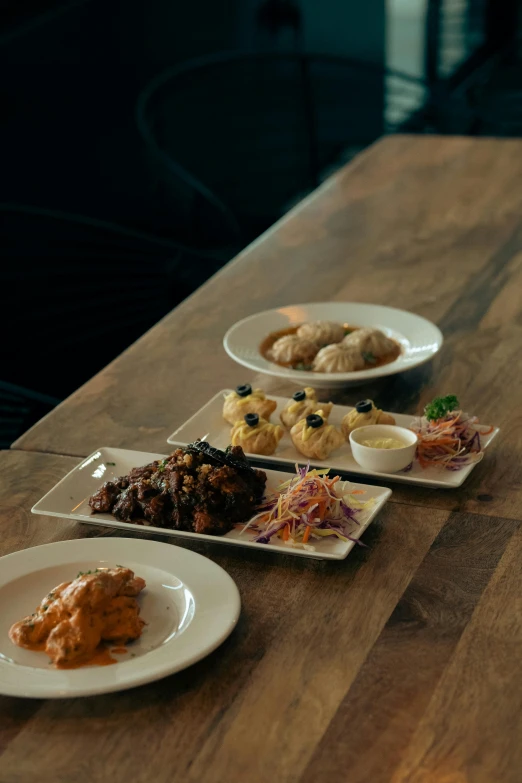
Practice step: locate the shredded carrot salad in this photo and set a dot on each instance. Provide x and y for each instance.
(451, 442)
(308, 507)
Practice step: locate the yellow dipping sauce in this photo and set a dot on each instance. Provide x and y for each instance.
(384, 443)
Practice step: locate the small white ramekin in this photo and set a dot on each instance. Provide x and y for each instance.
(383, 460)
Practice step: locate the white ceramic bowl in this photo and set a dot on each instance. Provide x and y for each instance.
(383, 460)
(419, 339)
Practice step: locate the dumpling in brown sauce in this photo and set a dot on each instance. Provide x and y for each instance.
(247, 400)
(301, 405)
(314, 437)
(338, 358)
(256, 435)
(370, 341)
(321, 332)
(292, 349)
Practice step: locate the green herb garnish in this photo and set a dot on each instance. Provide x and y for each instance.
(348, 331)
(162, 465)
(440, 407)
(85, 573)
(302, 366)
(110, 463)
(369, 357)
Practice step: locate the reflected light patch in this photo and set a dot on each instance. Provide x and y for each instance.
(100, 470)
(296, 315)
(88, 461)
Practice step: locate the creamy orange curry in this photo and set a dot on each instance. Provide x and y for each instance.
(74, 620)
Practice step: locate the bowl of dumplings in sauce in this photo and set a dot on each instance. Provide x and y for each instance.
(332, 344)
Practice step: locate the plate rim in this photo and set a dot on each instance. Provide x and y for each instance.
(332, 378)
(23, 687)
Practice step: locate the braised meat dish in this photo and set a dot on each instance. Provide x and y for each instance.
(198, 489)
(74, 618)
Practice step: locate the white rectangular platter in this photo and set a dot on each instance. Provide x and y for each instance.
(69, 499)
(209, 423)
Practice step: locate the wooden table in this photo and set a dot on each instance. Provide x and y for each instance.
(400, 663)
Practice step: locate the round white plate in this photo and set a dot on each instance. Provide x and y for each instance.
(420, 339)
(190, 606)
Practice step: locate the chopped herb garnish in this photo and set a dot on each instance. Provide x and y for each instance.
(86, 573)
(31, 626)
(111, 463)
(162, 465)
(119, 566)
(348, 331)
(440, 407)
(133, 655)
(302, 366)
(46, 607)
(369, 357)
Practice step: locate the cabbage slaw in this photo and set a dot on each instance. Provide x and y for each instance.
(308, 507)
(451, 442)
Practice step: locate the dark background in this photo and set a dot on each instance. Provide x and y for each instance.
(145, 142)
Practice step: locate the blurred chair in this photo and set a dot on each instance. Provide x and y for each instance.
(19, 409)
(257, 129)
(77, 291)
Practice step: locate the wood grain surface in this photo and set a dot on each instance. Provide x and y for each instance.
(400, 664)
(429, 224)
(355, 665)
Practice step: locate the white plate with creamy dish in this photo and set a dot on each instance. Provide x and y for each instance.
(332, 344)
(208, 423)
(188, 606)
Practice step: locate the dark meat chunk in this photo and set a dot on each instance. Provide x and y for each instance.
(142, 473)
(153, 510)
(197, 489)
(213, 526)
(127, 504)
(104, 500)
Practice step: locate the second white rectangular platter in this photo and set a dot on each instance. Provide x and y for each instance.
(208, 423)
(69, 499)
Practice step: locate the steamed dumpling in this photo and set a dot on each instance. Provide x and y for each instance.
(370, 341)
(256, 435)
(338, 358)
(314, 437)
(362, 415)
(245, 400)
(292, 349)
(301, 405)
(322, 332)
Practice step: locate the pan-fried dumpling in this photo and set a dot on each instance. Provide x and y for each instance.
(245, 400)
(256, 435)
(362, 415)
(292, 349)
(338, 358)
(302, 403)
(314, 437)
(322, 332)
(370, 341)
